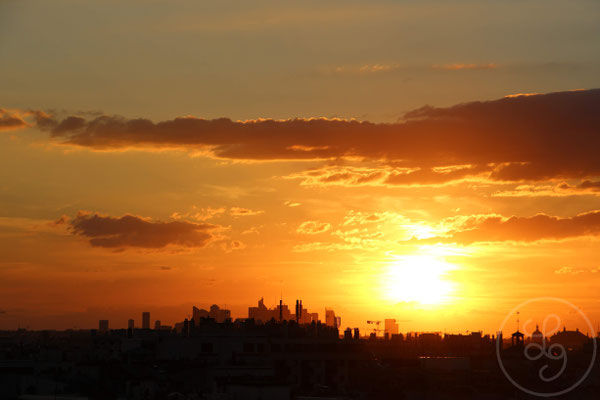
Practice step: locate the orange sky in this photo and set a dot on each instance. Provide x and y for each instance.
(199, 154)
(419, 220)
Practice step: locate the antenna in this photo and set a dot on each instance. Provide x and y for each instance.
(518, 324)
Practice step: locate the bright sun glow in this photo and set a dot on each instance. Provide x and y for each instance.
(417, 278)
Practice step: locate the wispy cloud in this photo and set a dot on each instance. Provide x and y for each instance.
(332, 175)
(461, 66)
(313, 227)
(568, 271)
(586, 187)
(200, 213)
(242, 212)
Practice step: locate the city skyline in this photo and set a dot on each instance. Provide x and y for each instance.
(385, 328)
(429, 162)
(299, 199)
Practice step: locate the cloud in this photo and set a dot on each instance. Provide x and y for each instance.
(343, 176)
(365, 69)
(459, 66)
(355, 218)
(375, 68)
(358, 235)
(391, 67)
(200, 214)
(355, 239)
(389, 176)
(242, 212)
(533, 191)
(204, 214)
(326, 246)
(523, 138)
(233, 245)
(11, 120)
(496, 228)
(313, 227)
(568, 271)
(586, 187)
(132, 231)
(253, 230)
(521, 94)
(435, 176)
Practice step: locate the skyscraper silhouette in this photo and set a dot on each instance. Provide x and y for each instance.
(103, 326)
(146, 320)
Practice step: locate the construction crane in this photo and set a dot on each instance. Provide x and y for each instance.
(376, 323)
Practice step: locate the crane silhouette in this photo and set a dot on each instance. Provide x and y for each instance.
(376, 328)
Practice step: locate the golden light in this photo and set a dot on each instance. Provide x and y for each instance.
(417, 278)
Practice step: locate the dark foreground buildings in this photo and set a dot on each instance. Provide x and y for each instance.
(246, 359)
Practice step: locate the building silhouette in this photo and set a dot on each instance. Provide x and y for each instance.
(391, 327)
(571, 340)
(146, 320)
(276, 359)
(103, 326)
(130, 324)
(263, 314)
(218, 314)
(517, 339)
(537, 336)
(330, 319)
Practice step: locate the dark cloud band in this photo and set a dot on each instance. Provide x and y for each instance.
(521, 229)
(11, 120)
(133, 231)
(516, 138)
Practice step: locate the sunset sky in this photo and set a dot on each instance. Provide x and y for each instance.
(417, 160)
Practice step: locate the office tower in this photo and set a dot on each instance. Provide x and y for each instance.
(348, 334)
(157, 325)
(330, 319)
(103, 326)
(264, 314)
(281, 311)
(391, 327)
(146, 320)
(198, 314)
(298, 310)
(130, 324)
(217, 313)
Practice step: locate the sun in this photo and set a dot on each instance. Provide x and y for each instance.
(417, 278)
